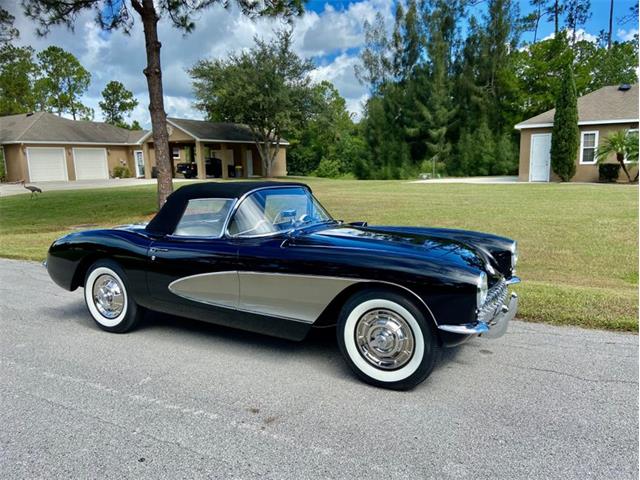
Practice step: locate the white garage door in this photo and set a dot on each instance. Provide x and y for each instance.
(46, 164)
(90, 163)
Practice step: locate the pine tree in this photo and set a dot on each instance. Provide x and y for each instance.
(565, 134)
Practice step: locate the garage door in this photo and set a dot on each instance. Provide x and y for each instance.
(90, 163)
(46, 164)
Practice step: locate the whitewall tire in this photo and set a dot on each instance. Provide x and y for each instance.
(107, 297)
(386, 339)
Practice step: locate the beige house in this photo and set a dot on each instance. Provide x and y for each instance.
(223, 150)
(39, 147)
(600, 113)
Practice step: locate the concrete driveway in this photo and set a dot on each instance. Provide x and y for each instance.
(473, 180)
(180, 399)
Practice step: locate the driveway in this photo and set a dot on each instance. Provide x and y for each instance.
(7, 189)
(180, 399)
(474, 180)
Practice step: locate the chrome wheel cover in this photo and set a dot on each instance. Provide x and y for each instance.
(384, 339)
(108, 296)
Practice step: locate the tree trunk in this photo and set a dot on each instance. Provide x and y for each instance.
(153, 73)
(610, 26)
(620, 158)
(556, 15)
(535, 31)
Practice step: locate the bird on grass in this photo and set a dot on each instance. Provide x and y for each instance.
(33, 189)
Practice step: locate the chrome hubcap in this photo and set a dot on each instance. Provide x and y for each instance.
(384, 339)
(108, 296)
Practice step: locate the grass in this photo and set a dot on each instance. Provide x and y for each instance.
(578, 243)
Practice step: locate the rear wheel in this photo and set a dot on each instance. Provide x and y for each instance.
(107, 297)
(386, 339)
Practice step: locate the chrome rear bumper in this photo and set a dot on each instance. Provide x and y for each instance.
(494, 328)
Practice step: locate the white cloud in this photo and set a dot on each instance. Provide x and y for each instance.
(627, 35)
(331, 37)
(581, 34)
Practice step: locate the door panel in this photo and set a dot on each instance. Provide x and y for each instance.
(540, 157)
(190, 266)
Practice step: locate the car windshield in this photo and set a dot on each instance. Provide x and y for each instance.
(274, 210)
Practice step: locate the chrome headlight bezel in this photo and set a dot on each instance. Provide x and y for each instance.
(483, 289)
(514, 256)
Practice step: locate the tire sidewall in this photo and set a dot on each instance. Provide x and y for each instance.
(423, 359)
(130, 313)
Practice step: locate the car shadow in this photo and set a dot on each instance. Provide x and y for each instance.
(320, 345)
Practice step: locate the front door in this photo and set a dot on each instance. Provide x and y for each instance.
(138, 158)
(540, 157)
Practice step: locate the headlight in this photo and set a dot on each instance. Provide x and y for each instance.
(483, 288)
(514, 256)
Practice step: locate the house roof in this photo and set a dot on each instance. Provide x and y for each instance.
(213, 131)
(609, 104)
(44, 127)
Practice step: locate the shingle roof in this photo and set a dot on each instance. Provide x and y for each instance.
(606, 105)
(215, 131)
(47, 127)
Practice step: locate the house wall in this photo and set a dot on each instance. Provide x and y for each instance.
(17, 166)
(584, 173)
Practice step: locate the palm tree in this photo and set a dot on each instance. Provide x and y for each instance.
(625, 145)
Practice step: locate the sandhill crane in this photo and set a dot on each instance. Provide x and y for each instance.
(33, 189)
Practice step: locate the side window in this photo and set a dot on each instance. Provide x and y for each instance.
(588, 146)
(203, 217)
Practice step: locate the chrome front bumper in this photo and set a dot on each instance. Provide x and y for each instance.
(493, 328)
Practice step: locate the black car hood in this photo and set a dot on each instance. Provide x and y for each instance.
(396, 240)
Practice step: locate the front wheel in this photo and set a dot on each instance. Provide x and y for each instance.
(107, 297)
(386, 339)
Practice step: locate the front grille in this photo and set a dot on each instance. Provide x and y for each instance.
(495, 299)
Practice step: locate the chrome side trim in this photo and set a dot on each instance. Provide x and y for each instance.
(217, 289)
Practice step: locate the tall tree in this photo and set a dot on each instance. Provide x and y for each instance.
(117, 102)
(376, 61)
(62, 82)
(17, 72)
(7, 31)
(577, 12)
(115, 14)
(565, 133)
(266, 88)
(610, 31)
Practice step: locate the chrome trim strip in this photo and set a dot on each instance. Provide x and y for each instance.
(476, 328)
(208, 299)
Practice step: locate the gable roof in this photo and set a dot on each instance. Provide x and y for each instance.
(204, 131)
(45, 127)
(607, 105)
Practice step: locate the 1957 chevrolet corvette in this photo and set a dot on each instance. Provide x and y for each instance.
(267, 257)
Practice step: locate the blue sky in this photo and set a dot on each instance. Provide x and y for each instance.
(330, 33)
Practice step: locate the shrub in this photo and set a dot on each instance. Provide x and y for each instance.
(608, 172)
(328, 167)
(121, 172)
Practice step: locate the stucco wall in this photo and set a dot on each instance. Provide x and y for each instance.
(584, 173)
(17, 167)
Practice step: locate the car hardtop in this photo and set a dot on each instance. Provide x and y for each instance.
(166, 220)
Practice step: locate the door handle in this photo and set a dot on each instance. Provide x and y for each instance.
(154, 250)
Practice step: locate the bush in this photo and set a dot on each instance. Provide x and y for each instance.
(328, 168)
(121, 172)
(608, 172)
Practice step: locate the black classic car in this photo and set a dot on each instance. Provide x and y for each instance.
(267, 257)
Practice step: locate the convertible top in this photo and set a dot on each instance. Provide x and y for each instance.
(167, 218)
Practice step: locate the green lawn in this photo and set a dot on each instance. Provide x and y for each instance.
(578, 243)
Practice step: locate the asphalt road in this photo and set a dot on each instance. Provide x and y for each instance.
(179, 399)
